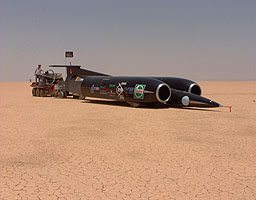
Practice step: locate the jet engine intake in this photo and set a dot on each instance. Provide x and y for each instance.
(195, 89)
(163, 93)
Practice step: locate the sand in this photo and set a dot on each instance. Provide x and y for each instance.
(70, 149)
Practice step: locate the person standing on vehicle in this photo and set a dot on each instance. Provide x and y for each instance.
(38, 72)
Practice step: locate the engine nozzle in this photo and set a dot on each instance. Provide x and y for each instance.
(163, 93)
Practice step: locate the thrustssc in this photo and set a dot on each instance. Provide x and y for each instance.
(137, 91)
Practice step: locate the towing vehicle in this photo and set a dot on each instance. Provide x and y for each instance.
(49, 84)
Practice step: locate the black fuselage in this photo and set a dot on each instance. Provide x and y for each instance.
(140, 90)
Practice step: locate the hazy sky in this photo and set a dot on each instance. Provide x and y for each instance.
(196, 39)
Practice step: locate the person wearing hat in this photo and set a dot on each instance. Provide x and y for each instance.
(38, 72)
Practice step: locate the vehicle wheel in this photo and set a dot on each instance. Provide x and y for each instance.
(34, 92)
(42, 93)
(55, 93)
(38, 92)
(62, 94)
(58, 94)
(65, 94)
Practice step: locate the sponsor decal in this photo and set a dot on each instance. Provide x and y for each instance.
(111, 85)
(103, 89)
(103, 92)
(92, 89)
(123, 83)
(119, 89)
(129, 90)
(139, 91)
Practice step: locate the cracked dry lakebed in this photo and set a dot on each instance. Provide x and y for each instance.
(71, 149)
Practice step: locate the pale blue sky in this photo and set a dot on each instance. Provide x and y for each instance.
(195, 39)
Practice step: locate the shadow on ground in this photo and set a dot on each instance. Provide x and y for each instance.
(149, 106)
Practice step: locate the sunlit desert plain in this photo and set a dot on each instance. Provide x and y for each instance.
(71, 149)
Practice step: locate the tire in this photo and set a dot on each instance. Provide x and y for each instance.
(42, 93)
(37, 92)
(62, 94)
(58, 94)
(55, 94)
(34, 92)
(65, 94)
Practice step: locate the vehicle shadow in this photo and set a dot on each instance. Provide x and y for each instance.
(149, 106)
(106, 102)
(123, 104)
(195, 109)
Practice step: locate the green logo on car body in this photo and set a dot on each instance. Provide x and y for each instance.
(111, 85)
(139, 91)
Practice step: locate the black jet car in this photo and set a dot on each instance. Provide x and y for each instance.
(136, 91)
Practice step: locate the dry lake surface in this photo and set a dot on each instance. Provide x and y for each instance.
(71, 149)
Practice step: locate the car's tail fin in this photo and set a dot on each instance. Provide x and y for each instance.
(75, 70)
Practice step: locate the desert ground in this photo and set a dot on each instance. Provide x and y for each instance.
(71, 149)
